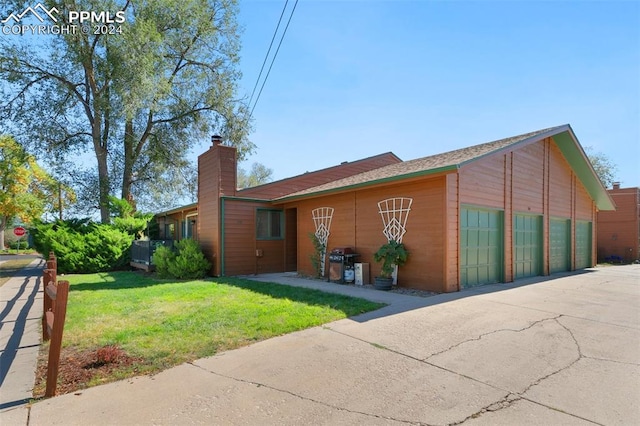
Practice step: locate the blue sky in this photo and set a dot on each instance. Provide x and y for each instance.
(358, 78)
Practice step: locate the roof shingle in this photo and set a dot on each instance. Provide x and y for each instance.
(430, 164)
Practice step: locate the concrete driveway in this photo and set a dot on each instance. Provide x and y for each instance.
(544, 351)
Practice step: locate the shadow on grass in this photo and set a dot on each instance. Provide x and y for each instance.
(348, 304)
(118, 280)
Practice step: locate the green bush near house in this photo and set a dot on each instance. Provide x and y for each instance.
(82, 246)
(185, 262)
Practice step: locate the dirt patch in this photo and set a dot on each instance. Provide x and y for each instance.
(80, 369)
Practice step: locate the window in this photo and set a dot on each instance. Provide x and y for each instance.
(169, 231)
(269, 224)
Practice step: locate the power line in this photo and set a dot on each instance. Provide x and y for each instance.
(264, 62)
(274, 57)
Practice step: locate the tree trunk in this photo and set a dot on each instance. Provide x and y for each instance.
(3, 224)
(103, 182)
(127, 173)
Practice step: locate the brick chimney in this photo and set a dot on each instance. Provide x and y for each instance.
(217, 168)
(616, 185)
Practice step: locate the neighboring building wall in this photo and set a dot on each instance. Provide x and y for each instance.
(619, 230)
(176, 220)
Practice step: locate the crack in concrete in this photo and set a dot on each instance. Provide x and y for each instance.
(511, 397)
(501, 404)
(475, 339)
(579, 357)
(635, 364)
(498, 405)
(305, 398)
(504, 402)
(562, 315)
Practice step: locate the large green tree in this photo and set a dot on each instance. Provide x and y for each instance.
(26, 190)
(136, 99)
(258, 174)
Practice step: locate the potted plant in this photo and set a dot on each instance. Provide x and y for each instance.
(391, 254)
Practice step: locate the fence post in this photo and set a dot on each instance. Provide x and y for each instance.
(49, 275)
(55, 323)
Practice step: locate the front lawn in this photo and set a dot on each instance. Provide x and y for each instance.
(159, 323)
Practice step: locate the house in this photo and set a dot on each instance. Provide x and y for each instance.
(495, 212)
(619, 230)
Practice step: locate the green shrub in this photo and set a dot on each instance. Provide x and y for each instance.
(186, 262)
(18, 244)
(82, 246)
(163, 256)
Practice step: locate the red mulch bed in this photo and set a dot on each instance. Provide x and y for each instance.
(80, 368)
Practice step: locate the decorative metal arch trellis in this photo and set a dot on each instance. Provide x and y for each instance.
(394, 213)
(322, 219)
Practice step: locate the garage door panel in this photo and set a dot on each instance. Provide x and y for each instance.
(527, 248)
(481, 247)
(583, 244)
(559, 245)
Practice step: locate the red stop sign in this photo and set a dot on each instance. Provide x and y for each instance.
(19, 231)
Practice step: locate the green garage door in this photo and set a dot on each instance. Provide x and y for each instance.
(559, 243)
(481, 247)
(583, 244)
(527, 245)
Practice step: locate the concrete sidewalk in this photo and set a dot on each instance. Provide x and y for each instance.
(543, 351)
(20, 331)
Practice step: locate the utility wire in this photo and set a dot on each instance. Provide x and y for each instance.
(268, 51)
(274, 57)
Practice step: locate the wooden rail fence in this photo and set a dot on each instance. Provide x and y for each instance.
(55, 298)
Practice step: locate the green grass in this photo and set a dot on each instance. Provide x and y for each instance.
(167, 323)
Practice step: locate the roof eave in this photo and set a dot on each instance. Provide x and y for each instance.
(568, 144)
(532, 139)
(444, 169)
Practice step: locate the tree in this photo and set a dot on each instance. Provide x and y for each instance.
(138, 99)
(258, 175)
(26, 191)
(603, 166)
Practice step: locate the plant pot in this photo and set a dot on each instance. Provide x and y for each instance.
(382, 283)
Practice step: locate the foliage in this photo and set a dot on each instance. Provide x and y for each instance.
(318, 253)
(26, 190)
(258, 175)
(603, 166)
(186, 262)
(137, 101)
(168, 324)
(391, 254)
(82, 246)
(127, 219)
(19, 244)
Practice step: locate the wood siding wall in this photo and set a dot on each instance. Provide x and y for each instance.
(533, 179)
(619, 230)
(357, 223)
(243, 252)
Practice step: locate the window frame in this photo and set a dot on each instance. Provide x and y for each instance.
(270, 213)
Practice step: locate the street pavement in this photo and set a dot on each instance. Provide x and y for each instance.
(543, 351)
